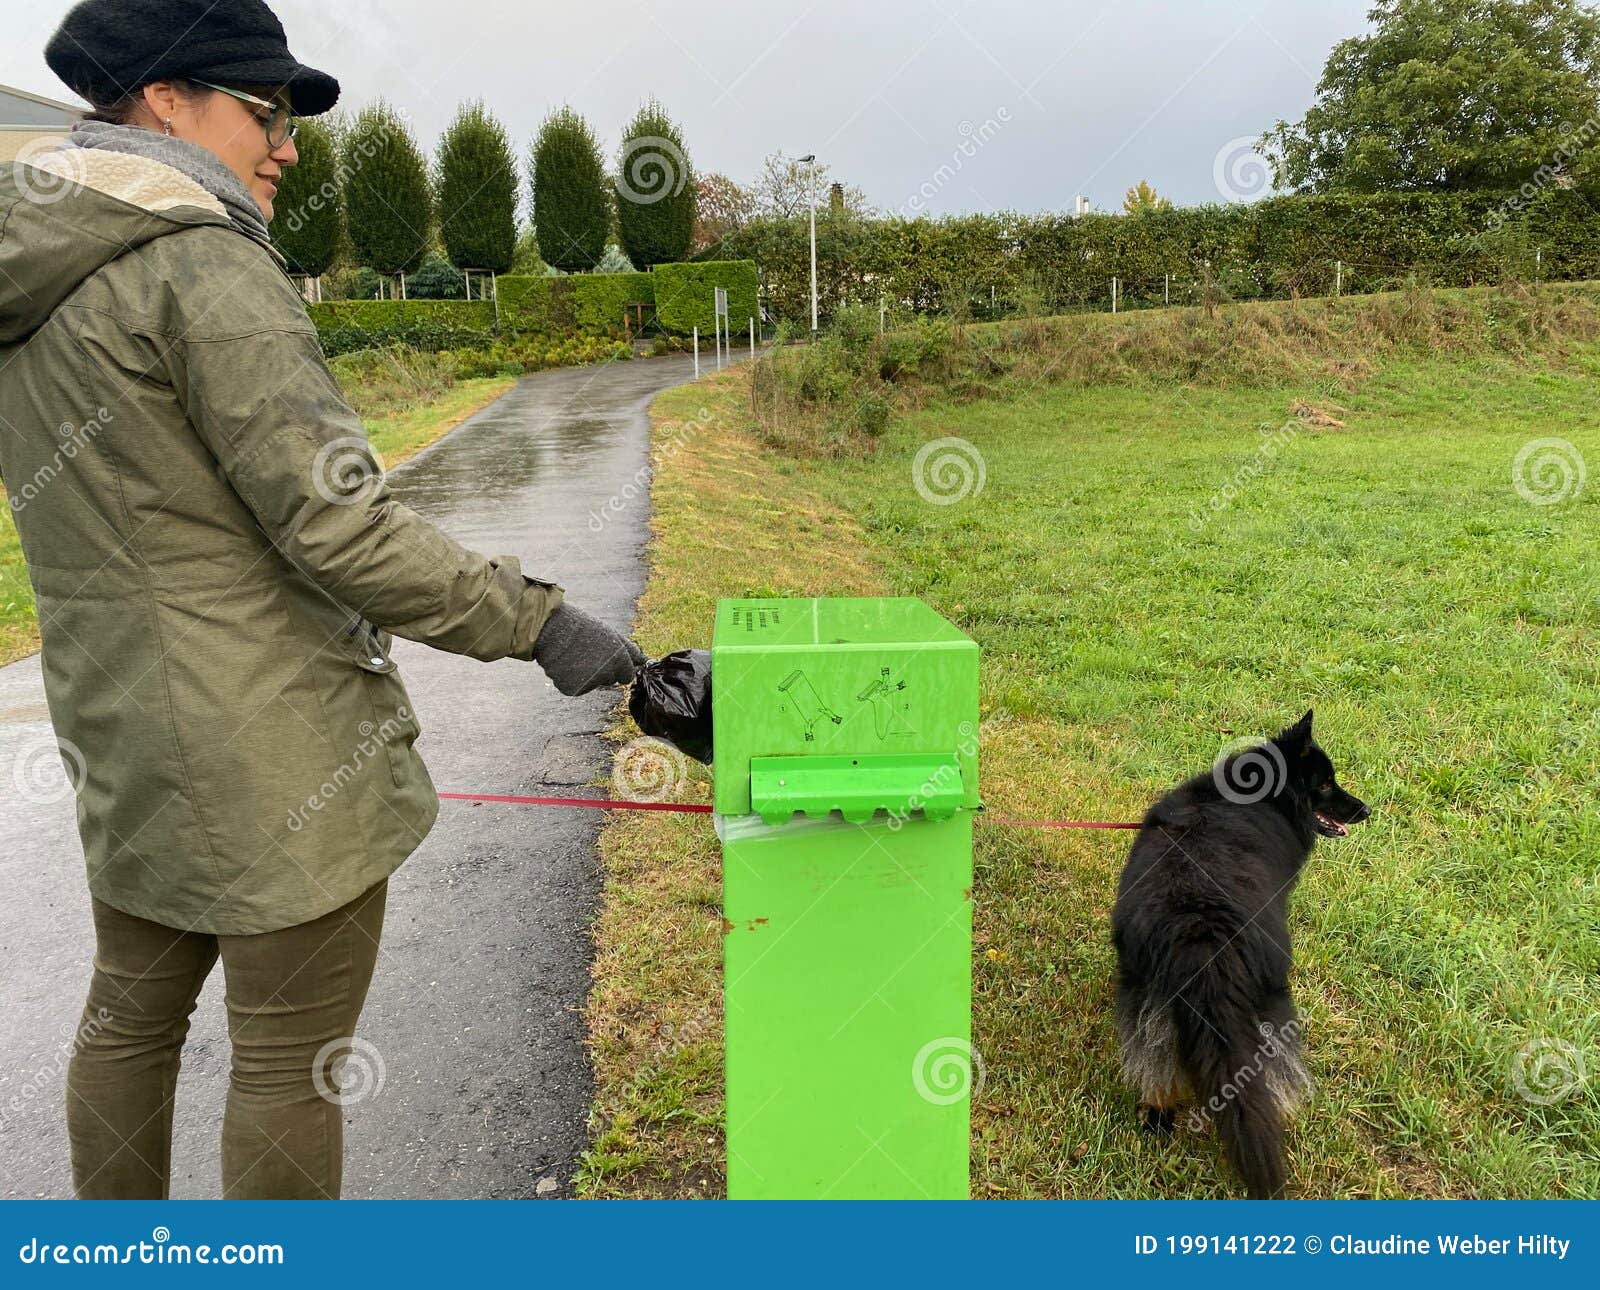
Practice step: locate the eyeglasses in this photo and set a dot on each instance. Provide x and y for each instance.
(279, 123)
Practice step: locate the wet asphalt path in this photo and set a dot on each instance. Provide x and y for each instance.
(485, 956)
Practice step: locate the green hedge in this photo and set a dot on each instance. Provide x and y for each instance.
(347, 325)
(1274, 248)
(684, 295)
(582, 304)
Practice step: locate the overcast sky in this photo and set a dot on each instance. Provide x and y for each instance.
(928, 105)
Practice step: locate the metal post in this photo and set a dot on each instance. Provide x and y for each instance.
(1113, 295)
(752, 340)
(883, 311)
(1338, 278)
(812, 186)
(1166, 290)
(697, 353)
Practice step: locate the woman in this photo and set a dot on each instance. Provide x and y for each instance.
(219, 567)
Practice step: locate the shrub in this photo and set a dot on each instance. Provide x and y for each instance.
(655, 190)
(571, 211)
(389, 206)
(476, 183)
(683, 294)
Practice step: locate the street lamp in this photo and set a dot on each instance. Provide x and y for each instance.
(811, 194)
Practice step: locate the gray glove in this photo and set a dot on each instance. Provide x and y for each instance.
(580, 653)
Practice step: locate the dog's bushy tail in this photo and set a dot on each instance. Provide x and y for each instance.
(1233, 1064)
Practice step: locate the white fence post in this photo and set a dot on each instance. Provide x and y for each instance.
(697, 353)
(752, 340)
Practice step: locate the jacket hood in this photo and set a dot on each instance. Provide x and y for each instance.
(66, 213)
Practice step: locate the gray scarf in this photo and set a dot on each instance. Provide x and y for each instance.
(200, 164)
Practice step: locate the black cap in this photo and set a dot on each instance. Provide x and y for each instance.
(107, 49)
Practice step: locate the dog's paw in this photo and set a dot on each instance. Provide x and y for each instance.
(1157, 1121)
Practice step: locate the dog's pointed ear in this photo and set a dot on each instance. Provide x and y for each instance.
(1297, 738)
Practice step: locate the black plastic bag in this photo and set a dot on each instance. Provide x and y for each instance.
(671, 699)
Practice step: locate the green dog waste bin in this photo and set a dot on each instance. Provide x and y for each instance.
(846, 777)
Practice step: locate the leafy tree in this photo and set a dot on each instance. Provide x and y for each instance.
(475, 177)
(656, 191)
(1141, 197)
(1448, 95)
(721, 207)
(784, 187)
(571, 212)
(387, 199)
(308, 212)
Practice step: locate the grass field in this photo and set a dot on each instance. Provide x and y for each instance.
(1389, 573)
(401, 419)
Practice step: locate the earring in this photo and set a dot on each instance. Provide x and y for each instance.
(169, 126)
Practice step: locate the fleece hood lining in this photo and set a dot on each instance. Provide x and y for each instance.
(140, 181)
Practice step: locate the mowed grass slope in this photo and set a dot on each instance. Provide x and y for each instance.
(1388, 574)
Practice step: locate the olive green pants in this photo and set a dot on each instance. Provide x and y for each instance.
(293, 998)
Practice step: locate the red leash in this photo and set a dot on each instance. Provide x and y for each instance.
(620, 804)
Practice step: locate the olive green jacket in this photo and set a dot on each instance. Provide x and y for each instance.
(217, 562)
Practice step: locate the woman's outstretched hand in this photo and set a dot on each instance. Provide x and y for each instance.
(579, 653)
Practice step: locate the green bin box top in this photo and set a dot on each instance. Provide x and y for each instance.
(880, 677)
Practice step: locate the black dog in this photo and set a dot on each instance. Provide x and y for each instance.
(1202, 937)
